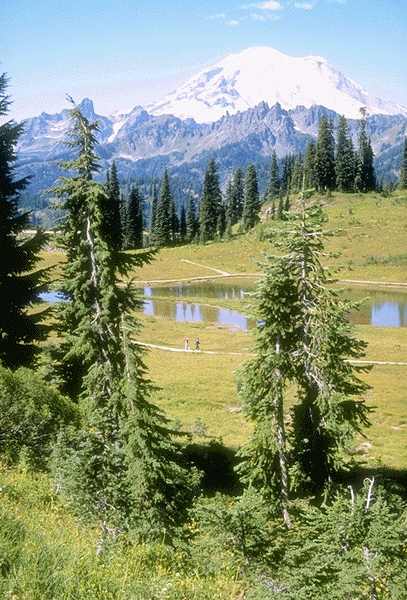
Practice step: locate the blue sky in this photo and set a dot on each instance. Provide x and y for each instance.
(128, 52)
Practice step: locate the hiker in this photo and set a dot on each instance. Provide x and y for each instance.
(197, 344)
(186, 344)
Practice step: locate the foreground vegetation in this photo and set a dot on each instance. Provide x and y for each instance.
(105, 495)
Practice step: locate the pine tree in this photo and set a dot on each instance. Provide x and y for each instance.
(209, 206)
(325, 156)
(191, 221)
(19, 285)
(183, 223)
(303, 338)
(403, 171)
(365, 179)
(273, 188)
(238, 195)
(121, 467)
(310, 174)
(111, 211)
(345, 158)
(229, 208)
(286, 174)
(297, 174)
(163, 224)
(251, 207)
(153, 215)
(221, 226)
(134, 238)
(174, 221)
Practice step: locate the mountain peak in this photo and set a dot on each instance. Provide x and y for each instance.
(264, 74)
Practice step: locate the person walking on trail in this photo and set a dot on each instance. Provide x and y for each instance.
(186, 344)
(197, 344)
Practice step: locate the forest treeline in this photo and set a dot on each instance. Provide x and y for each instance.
(79, 404)
(148, 213)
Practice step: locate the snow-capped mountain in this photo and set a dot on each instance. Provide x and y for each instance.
(241, 81)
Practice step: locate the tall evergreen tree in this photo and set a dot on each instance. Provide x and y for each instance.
(365, 179)
(297, 174)
(238, 195)
(19, 284)
(303, 338)
(310, 174)
(112, 212)
(153, 214)
(163, 224)
(325, 156)
(183, 223)
(209, 206)
(345, 158)
(221, 226)
(403, 171)
(286, 174)
(134, 238)
(120, 469)
(191, 221)
(273, 188)
(174, 221)
(251, 207)
(229, 208)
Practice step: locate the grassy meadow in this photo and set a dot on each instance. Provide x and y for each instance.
(46, 555)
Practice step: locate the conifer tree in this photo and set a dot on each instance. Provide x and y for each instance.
(403, 171)
(183, 223)
(297, 174)
(345, 158)
(19, 285)
(229, 208)
(112, 212)
(191, 221)
(163, 224)
(251, 207)
(221, 226)
(134, 238)
(286, 174)
(365, 179)
(303, 338)
(153, 214)
(174, 221)
(209, 206)
(325, 156)
(273, 188)
(120, 469)
(238, 195)
(310, 174)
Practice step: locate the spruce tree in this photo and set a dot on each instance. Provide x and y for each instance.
(286, 174)
(310, 174)
(238, 195)
(365, 179)
(134, 238)
(229, 208)
(297, 174)
(183, 223)
(251, 207)
(112, 212)
(191, 221)
(303, 338)
(345, 158)
(153, 214)
(273, 188)
(19, 282)
(163, 224)
(174, 221)
(209, 206)
(325, 156)
(403, 171)
(120, 469)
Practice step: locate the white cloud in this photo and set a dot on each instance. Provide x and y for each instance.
(257, 17)
(219, 16)
(233, 23)
(269, 5)
(304, 5)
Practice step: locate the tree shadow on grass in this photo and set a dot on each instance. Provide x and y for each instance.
(217, 463)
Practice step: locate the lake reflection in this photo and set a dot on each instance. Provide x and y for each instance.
(383, 308)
